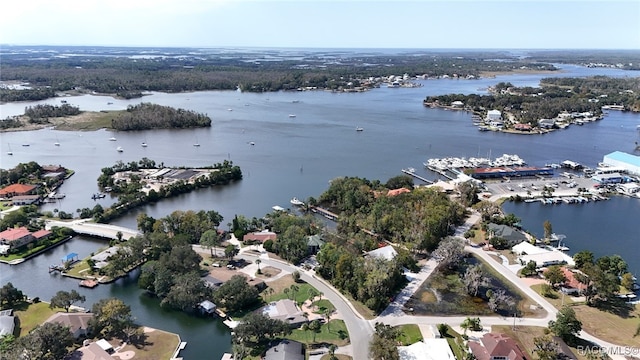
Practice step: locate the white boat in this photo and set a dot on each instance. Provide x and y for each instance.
(251, 143)
(9, 152)
(56, 143)
(296, 202)
(144, 144)
(359, 129)
(112, 139)
(55, 195)
(197, 143)
(119, 149)
(292, 115)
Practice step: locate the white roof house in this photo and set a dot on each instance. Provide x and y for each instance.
(427, 349)
(386, 252)
(494, 115)
(547, 259)
(528, 249)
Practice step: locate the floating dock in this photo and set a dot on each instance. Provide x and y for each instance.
(413, 174)
(88, 283)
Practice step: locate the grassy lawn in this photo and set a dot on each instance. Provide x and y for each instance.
(605, 325)
(79, 270)
(88, 121)
(456, 343)
(31, 315)
(335, 332)
(4, 205)
(323, 305)
(157, 345)
(409, 334)
(525, 335)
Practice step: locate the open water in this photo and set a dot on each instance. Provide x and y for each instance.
(298, 156)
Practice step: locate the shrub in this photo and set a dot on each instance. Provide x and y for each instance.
(443, 329)
(268, 245)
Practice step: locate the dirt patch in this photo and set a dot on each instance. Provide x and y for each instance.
(268, 272)
(279, 285)
(86, 121)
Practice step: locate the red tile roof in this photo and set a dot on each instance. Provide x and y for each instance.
(41, 233)
(496, 344)
(14, 234)
(571, 282)
(260, 236)
(17, 189)
(395, 192)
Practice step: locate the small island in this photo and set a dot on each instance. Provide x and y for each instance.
(144, 116)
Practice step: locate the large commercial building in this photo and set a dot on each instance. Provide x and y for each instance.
(631, 163)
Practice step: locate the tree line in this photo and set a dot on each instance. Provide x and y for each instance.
(42, 112)
(130, 77)
(147, 116)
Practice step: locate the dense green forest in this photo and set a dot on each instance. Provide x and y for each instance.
(40, 113)
(128, 77)
(555, 95)
(147, 116)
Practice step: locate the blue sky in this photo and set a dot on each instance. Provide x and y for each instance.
(419, 24)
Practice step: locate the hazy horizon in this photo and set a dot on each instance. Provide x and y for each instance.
(328, 24)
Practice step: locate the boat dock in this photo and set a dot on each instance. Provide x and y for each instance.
(88, 283)
(441, 172)
(326, 213)
(413, 174)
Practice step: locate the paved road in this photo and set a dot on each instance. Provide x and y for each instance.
(90, 228)
(360, 330)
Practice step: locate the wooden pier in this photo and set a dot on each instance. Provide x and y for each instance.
(411, 173)
(326, 213)
(441, 172)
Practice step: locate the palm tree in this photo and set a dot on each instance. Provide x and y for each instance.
(327, 315)
(332, 351)
(258, 261)
(286, 292)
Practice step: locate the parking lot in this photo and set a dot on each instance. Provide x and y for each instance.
(533, 186)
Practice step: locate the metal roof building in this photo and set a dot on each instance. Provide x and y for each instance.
(631, 163)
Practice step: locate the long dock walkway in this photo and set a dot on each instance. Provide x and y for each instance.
(326, 213)
(411, 173)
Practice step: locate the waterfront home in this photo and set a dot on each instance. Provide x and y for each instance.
(314, 243)
(511, 235)
(26, 200)
(285, 350)
(16, 237)
(92, 351)
(522, 127)
(16, 190)
(496, 346)
(546, 123)
(260, 236)
(7, 322)
(494, 115)
(571, 286)
(207, 307)
(548, 258)
(286, 310)
(427, 349)
(78, 323)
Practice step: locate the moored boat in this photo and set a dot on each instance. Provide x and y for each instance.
(295, 201)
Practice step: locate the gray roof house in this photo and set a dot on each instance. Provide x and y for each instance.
(285, 310)
(314, 243)
(78, 323)
(508, 233)
(285, 350)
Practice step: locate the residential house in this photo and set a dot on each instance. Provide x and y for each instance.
(78, 323)
(427, 349)
(494, 115)
(285, 310)
(564, 351)
(546, 123)
(314, 243)
(396, 192)
(496, 346)
(385, 252)
(522, 127)
(511, 235)
(41, 234)
(285, 350)
(260, 236)
(16, 237)
(19, 200)
(92, 351)
(571, 286)
(212, 282)
(207, 307)
(7, 322)
(17, 189)
(53, 168)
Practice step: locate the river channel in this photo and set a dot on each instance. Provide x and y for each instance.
(297, 156)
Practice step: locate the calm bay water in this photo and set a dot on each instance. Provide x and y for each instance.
(298, 156)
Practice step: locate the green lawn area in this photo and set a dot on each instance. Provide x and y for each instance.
(409, 334)
(456, 343)
(79, 270)
(335, 332)
(4, 205)
(31, 315)
(157, 345)
(602, 324)
(323, 305)
(93, 121)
